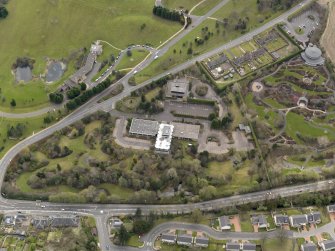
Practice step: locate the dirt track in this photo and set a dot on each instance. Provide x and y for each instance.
(328, 37)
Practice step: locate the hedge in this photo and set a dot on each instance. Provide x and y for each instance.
(201, 101)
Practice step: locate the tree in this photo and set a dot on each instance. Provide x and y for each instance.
(123, 235)
(13, 103)
(196, 216)
(3, 12)
(129, 53)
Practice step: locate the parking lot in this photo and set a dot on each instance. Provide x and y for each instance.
(306, 23)
(194, 110)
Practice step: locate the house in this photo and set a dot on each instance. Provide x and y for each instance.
(233, 246)
(70, 221)
(308, 247)
(314, 218)
(281, 220)
(19, 219)
(298, 220)
(185, 240)
(331, 208)
(260, 221)
(224, 223)
(248, 246)
(327, 245)
(245, 128)
(177, 88)
(40, 222)
(169, 238)
(201, 242)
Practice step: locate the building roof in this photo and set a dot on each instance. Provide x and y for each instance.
(144, 127)
(313, 56)
(185, 238)
(328, 244)
(214, 63)
(259, 220)
(314, 217)
(308, 247)
(224, 221)
(299, 219)
(64, 222)
(331, 208)
(41, 223)
(83, 71)
(202, 240)
(232, 246)
(169, 237)
(281, 219)
(186, 131)
(249, 246)
(178, 86)
(164, 137)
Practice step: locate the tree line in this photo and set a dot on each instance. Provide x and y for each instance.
(168, 14)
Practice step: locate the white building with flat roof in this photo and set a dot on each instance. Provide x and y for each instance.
(164, 138)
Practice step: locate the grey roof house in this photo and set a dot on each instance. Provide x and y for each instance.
(298, 220)
(64, 221)
(201, 241)
(233, 246)
(281, 220)
(248, 246)
(327, 245)
(185, 240)
(224, 223)
(260, 221)
(314, 217)
(169, 238)
(308, 247)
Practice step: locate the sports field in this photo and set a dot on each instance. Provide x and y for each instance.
(58, 28)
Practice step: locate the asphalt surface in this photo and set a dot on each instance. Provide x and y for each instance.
(102, 212)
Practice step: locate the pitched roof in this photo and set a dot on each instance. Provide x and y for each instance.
(314, 217)
(329, 244)
(331, 208)
(258, 219)
(232, 246)
(281, 219)
(169, 237)
(202, 240)
(224, 221)
(64, 221)
(185, 238)
(249, 247)
(299, 219)
(308, 247)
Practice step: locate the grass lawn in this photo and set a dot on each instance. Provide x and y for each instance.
(245, 223)
(134, 241)
(130, 62)
(278, 245)
(57, 29)
(180, 4)
(296, 123)
(123, 193)
(152, 94)
(32, 125)
(128, 104)
(206, 6)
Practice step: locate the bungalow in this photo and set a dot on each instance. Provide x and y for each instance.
(281, 220)
(169, 238)
(185, 240)
(260, 221)
(314, 218)
(233, 246)
(70, 221)
(201, 242)
(327, 245)
(9, 220)
(331, 208)
(224, 223)
(308, 247)
(298, 220)
(248, 246)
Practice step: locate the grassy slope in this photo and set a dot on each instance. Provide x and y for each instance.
(130, 62)
(183, 4)
(54, 29)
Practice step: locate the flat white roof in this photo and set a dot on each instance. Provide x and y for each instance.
(164, 137)
(186, 131)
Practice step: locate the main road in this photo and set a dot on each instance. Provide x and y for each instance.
(93, 106)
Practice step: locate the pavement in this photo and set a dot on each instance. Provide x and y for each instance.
(102, 211)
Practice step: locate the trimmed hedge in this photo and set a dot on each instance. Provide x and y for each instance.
(200, 101)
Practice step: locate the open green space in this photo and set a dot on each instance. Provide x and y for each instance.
(281, 245)
(206, 6)
(67, 27)
(134, 59)
(180, 4)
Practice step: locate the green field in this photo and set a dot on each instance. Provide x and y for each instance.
(180, 4)
(131, 61)
(58, 28)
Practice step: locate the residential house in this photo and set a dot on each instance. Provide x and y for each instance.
(260, 221)
(185, 240)
(308, 247)
(201, 242)
(281, 220)
(70, 221)
(9, 220)
(224, 223)
(169, 238)
(331, 208)
(233, 246)
(298, 220)
(116, 223)
(327, 245)
(248, 246)
(41, 222)
(314, 218)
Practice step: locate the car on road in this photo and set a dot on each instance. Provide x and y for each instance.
(42, 206)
